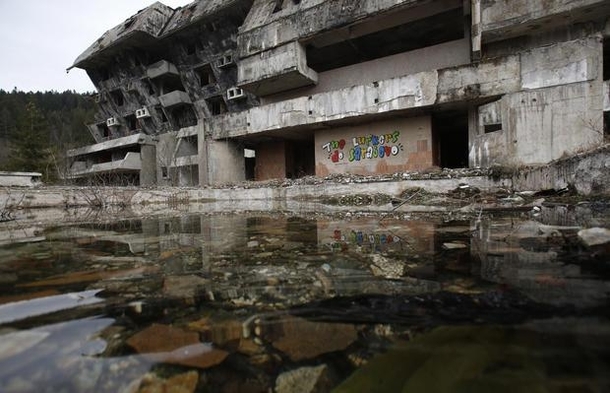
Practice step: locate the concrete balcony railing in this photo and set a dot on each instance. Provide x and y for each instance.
(162, 68)
(186, 161)
(175, 98)
(284, 68)
(503, 19)
(131, 163)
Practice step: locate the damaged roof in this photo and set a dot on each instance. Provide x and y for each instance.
(147, 26)
(195, 12)
(142, 27)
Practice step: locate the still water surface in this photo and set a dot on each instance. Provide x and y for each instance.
(276, 302)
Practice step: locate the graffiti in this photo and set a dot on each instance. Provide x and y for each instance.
(373, 241)
(367, 147)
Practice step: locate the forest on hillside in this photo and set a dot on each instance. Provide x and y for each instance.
(36, 129)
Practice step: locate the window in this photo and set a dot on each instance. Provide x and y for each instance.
(216, 105)
(161, 114)
(492, 127)
(132, 122)
(206, 75)
(164, 173)
(117, 97)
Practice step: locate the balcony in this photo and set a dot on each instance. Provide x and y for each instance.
(175, 98)
(284, 68)
(162, 68)
(131, 163)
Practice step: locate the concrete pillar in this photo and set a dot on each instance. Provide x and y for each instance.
(225, 163)
(148, 173)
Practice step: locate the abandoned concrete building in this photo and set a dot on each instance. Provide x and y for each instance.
(221, 91)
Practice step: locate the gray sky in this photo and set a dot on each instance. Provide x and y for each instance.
(39, 39)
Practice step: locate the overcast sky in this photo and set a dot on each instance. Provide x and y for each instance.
(39, 39)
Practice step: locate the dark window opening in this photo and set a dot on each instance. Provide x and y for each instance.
(492, 128)
(607, 124)
(117, 97)
(150, 86)
(216, 105)
(164, 173)
(606, 56)
(300, 159)
(161, 114)
(184, 116)
(296, 1)
(450, 139)
(104, 130)
(132, 122)
(206, 75)
(167, 84)
(444, 27)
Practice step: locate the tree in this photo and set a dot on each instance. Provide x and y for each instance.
(29, 143)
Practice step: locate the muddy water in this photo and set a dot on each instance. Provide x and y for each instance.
(277, 302)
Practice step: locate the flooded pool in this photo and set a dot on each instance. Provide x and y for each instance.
(259, 302)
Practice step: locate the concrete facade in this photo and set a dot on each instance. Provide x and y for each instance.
(312, 85)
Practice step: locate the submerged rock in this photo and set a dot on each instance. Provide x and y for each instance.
(301, 339)
(181, 383)
(304, 380)
(168, 344)
(594, 236)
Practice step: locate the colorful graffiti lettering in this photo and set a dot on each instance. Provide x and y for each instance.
(374, 241)
(366, 147)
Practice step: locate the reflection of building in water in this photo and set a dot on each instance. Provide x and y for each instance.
(534, 258)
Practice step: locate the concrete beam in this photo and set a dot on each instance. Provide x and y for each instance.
(161, 68)
(175, 98)
(280, 69)
(502, 19)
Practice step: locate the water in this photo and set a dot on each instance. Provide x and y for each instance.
(254, 302)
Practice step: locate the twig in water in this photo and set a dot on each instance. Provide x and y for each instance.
(400, 204)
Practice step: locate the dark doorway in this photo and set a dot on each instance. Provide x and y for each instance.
(250, 157)
(300, 159)
(450, 139)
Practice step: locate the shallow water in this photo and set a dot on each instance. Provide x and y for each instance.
(257, 301)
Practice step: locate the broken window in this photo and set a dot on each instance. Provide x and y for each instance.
(164, 173)
(216, 105)
(490, 117)
(206, 75)
(117, 97)
(132, 122)
(104, 130)
(183, 116)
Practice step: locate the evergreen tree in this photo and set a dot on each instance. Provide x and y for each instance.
(29, 143)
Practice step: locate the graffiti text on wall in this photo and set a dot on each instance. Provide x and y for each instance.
(372, 241)
(364, 147)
